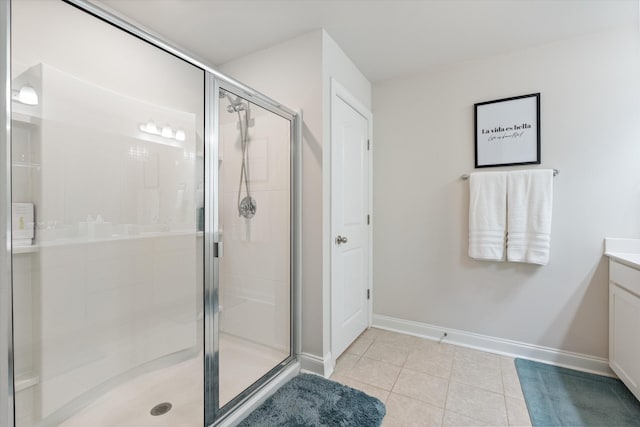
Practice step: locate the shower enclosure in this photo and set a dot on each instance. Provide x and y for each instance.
(150, 222)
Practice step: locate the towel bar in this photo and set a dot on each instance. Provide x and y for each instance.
(466, 175)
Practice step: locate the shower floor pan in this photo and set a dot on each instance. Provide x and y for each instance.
(130, 404)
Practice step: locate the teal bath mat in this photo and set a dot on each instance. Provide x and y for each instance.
(563, 397)
(310, 400)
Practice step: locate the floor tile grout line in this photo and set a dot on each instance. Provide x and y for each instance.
(467, 416)
(444, 406)
(446, 399)
(476, 387)
(504, 394)
(381, 361)
(484, 390)
(395, 381)
(418, 400)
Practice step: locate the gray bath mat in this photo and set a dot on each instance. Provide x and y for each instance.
(310, 400)
(563, 397)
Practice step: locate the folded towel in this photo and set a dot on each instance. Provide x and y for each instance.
(487, 215)
(529, 200)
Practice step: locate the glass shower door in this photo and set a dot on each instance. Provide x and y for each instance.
(108, 200)
(254, 223)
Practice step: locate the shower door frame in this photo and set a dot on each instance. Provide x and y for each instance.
(214, 81)
(7, 408)
(213, 85)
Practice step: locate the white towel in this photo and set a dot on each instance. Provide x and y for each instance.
(529, 200)
(487, 215)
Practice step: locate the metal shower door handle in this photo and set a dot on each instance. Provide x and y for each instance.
(217, 250)
(341, 239)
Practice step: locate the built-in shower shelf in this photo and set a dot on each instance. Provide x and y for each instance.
(25, 119)
(83, 241)
(25, 165)
(24, 381)
(25, 249)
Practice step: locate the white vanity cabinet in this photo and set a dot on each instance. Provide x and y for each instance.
(624, 321)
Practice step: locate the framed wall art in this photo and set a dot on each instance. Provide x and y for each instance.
(508, 131)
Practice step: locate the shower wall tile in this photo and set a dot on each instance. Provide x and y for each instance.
(26, 161)
(23, 327)
(94, 164)
(268, 260)
(270, 223)
(259, 161)
(268, 149)
(25, 407)
(254, 319)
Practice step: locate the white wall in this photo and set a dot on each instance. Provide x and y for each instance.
(590, 109)
(337, 64)
(297, 73)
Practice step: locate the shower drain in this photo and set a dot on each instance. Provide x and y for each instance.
(161, 409)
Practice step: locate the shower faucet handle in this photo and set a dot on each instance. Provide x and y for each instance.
(341, 239)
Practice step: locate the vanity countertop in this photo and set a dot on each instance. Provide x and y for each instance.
(626, 251)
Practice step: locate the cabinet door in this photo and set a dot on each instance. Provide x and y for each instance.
(624, 342)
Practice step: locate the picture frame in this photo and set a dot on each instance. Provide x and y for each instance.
(507, 131)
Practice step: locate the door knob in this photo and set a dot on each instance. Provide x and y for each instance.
(340, 240)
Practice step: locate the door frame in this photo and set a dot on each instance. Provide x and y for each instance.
(339, 91)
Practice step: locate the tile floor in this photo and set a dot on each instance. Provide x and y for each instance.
(426, 383)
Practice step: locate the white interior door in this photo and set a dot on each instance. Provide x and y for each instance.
(349, 220)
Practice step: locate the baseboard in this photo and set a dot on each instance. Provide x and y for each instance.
(552, 356)
(316, 365)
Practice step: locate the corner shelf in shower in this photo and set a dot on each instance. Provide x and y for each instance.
(25, 165)
(25, 119)
(26, 380)
(67, 242)
(25, 249)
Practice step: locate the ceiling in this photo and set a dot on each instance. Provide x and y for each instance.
(384, 38)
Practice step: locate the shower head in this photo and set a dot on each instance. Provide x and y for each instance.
(235, 105)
